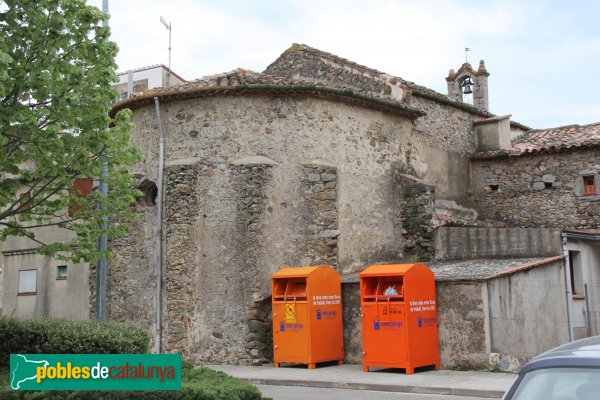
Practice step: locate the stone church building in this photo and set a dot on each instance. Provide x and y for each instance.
(319, 160)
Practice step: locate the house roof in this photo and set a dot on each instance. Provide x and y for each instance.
(549, 140)
(476, 270)
(246, 82)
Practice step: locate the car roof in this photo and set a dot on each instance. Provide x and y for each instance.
(580, 353)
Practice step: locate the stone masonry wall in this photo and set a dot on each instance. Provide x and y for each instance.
(461, 324)
(446, 130)
(537, 190)
(131, 286)
(418, 213)
(318, 186)
(215, 309)
(254, 184)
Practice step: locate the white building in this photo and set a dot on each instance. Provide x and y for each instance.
(147, 78)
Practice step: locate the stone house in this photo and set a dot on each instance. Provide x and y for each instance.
(319, 160)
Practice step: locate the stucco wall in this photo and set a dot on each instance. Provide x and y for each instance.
(457, 243)
(60, 298)
(528, 311)
(588, 273)
(537, 190)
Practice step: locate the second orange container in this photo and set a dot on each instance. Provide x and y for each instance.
(399, 318)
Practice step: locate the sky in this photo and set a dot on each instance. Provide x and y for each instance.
(543, 56)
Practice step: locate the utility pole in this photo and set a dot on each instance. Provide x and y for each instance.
(102, 240)
(168, 26)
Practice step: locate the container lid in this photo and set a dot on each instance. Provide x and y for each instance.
(388, 269)
(294, 272)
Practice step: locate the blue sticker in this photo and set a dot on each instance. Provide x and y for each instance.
(282, 326)
(318, 314)
(376, 325)
(420, 322)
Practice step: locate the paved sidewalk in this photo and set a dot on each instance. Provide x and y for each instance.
(458, 383)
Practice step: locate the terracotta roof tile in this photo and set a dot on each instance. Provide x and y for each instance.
(239, 76)
(549, 140)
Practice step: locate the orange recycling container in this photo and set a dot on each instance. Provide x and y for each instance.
(399, 318)
(307, 316)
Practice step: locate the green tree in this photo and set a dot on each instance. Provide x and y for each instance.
(56, 70)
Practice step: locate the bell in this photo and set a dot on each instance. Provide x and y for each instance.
(467, 83)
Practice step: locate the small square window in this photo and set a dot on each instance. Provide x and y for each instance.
(62, 272)
(27, 282)
(24, 200)
(589, 186)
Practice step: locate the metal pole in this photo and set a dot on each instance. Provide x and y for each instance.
(102, 240)
(129, 83)
(569, 293)
(168, 26)
(588, 318)
(159, 202)
(169, 74)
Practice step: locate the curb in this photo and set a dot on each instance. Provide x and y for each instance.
(465, 392)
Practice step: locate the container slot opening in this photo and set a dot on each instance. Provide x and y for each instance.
(388, 289)
(287, 289)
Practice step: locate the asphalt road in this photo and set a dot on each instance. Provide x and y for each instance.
(309, 393)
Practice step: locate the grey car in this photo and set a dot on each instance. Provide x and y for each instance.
(568, 372)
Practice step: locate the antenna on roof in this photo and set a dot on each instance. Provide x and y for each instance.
(168, 26)
(467, 49)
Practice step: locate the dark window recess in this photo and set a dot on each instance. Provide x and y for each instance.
(62, 272)
(149, 194)
(589, 186)
(576, 273)
(548, 185)
(494, 188)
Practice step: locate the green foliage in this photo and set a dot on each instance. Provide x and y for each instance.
(459, 367)
(495, 368)
(265, 338)
(56, 70)
(56, 336)
(424, 258)
(197, 384)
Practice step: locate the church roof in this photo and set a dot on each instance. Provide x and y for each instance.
(244, 82)
(549, 140)
(417, 90)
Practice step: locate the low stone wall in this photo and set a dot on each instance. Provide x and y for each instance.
(460, 243)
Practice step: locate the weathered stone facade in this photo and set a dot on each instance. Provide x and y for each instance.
(461, 323)
(443, 135)
(317, 161)
(538, 190)
(248, 190)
